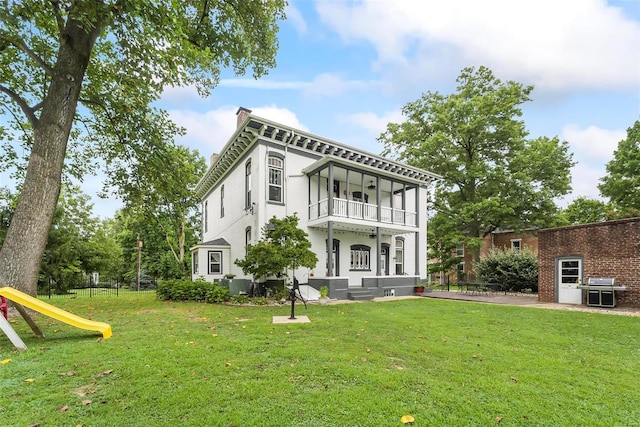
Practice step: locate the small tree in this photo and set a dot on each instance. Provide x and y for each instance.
(516, 270)
(283, 246)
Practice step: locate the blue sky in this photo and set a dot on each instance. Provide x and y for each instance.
(345, 69)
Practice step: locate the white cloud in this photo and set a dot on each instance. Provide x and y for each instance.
(294, 17)
(208, 132)
(323, 85)
(554, 45)
(332, 85)
(592, 148)
(374, 123)
(263, 84)
(593, 142)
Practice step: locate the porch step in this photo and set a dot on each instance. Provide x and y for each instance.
(359, 295)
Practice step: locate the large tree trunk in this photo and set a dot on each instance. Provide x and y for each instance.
(26, 239)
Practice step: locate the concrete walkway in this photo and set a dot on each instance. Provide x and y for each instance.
(527, 300)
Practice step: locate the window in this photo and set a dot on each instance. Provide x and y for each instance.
(247, 239)
(194, 262)
(460, 271)
(335, 254)
(399, 256)
(516, 244)
(360, 255)
(247, 185)
(206, 216)
(215, 262)
(222, 201)
(460, 251)
(275, 178)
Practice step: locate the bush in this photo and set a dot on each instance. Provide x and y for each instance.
(516, 270)
(187, 290)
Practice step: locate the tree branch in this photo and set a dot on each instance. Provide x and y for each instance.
(28, 111)
(31, 54)
(55, 4)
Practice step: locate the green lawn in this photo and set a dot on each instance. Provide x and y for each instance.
(446, 363)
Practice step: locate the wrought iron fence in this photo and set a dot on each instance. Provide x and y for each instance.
(101, 290)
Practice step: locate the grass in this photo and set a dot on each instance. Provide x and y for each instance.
(446, 363)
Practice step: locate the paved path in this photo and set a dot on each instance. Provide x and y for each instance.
(527, 300)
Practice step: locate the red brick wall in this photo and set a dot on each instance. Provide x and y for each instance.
(609, 249)
(502, 240)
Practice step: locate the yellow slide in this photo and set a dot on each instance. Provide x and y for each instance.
(54, 312)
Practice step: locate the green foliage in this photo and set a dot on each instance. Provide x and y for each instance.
(584, 211)
(116, 59)
(283, 246)
(493, 176)
(324, 291)
(240, 299)
(187, 290)
(622, 182)
(516, 270)
(78, 244)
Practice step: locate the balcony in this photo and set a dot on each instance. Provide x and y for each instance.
(343, 208)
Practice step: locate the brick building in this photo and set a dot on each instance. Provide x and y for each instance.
(498, 239)
(570, 255)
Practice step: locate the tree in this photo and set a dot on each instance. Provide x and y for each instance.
(584, 211)
(622, 182)
(77, 244)
(283, 246)
(164, 203)
(115, 57)
(493, 176)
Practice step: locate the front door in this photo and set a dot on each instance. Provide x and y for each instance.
(384, 259)
(569, 277)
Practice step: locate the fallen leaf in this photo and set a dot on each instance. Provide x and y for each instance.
(105, 373)
(5, 361)
(33, 425)
(227, 363)
(68, 374)
(498, 419)
(65, 408)
(28, 380)
(407, 419)
(364, 359)
(86, 402)
(368, 350)
(514, 379)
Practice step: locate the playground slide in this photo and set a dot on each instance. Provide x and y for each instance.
(54, 312)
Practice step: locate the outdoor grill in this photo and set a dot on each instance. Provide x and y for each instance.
(601, 291)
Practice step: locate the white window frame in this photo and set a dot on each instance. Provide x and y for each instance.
(275, 172)
(194, 262)
(399, 258)
(460, 251)
(211, 264)
(247, 184)
(360, 258)
(516, 244)
(222, 201)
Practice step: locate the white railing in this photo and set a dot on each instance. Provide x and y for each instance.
(359, 210)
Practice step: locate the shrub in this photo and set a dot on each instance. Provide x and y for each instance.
(516, 270)
(187, 290)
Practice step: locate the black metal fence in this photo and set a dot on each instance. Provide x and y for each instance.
(102, 290)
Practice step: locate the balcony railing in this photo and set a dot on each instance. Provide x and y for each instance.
(359, 210)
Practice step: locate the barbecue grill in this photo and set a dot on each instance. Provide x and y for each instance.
(601, 291)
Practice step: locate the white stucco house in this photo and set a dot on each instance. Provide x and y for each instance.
(365, 214)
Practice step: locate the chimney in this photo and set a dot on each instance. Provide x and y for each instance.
(242, 114)
(213, 159)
